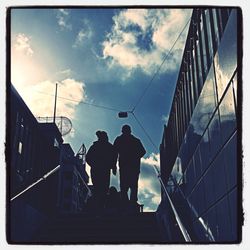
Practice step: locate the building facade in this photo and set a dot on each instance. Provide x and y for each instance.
(200, 149)
(33, 150)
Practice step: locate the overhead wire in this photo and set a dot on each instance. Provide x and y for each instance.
(141, 96)
(83, 102)
(159, 68)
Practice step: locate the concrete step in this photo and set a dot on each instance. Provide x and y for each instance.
(141, 228)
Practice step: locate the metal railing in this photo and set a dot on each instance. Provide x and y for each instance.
(36, 182)
(44, 177)
(177, 217)
(205, 227)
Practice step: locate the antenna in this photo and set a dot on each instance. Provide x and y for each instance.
(54, 118)
(63, 123)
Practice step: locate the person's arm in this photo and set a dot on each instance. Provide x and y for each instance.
(142, 150)
(90, 156)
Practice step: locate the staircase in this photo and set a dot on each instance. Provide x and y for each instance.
(84, 229)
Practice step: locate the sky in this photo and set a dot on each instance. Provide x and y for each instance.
(106, 57)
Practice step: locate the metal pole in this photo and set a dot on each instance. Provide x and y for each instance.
(54, 118)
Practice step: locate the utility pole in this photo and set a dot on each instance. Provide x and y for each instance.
(54, 118)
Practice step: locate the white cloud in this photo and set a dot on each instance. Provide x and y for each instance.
(140, 38)
(22, 44)
(25, 69)
(83, 35)
(39, 97)
(62, 17)
(149, 186)
(153, 159)
(165, 118)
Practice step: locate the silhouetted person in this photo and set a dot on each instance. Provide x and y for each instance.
(101, 157)
(130, 151)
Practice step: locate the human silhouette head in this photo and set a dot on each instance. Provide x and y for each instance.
(102, 135)
(126, 130)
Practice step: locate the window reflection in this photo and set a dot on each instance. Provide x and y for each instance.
(203, 44)
(200, 82)
(177, 172)
(235, 83)
(205, 106)
(209, 35)
(226, 57)
(230, 151)
(214, 134)
(205, 151)
(227, 114)
(197, 161)
(216, 26)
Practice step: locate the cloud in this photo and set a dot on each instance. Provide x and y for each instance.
(140, 38)
(149, 186)
(39, 97)
(25, 68)
(83, 35)
(153, 159)
(22, 44)
(165, 118)
(62, 17)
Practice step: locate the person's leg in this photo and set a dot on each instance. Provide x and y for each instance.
(124, 186)
(134, 187)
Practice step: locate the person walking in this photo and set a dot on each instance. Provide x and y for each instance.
(130, 151)
(101, 157)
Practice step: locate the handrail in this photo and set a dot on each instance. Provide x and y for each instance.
(85, 184)
(205, 227)
(180, 224)
(36, 182)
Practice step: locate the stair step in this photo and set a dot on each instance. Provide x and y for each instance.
(141, 228)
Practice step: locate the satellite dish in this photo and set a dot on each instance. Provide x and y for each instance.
(63, 123)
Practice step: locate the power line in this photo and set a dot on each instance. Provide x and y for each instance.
(144, 130)
(83, 102)
(158, 70)
(142, 95)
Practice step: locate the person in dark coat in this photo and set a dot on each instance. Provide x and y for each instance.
(130, 151)
(101, 157)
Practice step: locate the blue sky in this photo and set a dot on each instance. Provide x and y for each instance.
(105, 57)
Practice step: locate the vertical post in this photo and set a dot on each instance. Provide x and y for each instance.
(54, 117)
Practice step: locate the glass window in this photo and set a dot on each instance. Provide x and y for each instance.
(197, 198)
(214, 134)
(206, 104)
(216, 26)
(209, 179)
(233, 203)
(205, 151)
(226, 58)
(199, 66)
(190, 174)
(230, 151)
(223, 221)
(187, 97)
(235, 83)
(220, 184)
(197, 161)
(227, 114)
(191, 86)
(209, 35)
(195, 76)
(204, 53)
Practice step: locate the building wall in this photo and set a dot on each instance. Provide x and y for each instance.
(199, 146)
(32, 151)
